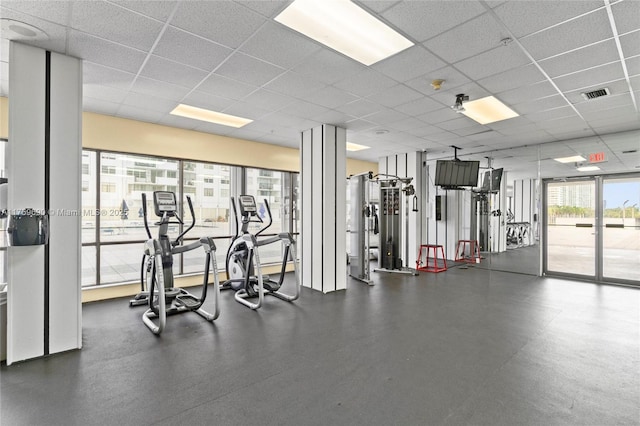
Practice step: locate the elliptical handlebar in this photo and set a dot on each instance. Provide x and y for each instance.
(193, 223)
(266, 204)
(144, 215)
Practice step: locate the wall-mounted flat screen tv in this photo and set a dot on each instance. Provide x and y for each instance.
(452, 173)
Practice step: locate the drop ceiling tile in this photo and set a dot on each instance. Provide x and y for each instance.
(294, 84)
(528, 93)
(551, 114)
(451, 76)
(615, 88)
(161, 89)
(396, 95)
(376, 5)
(269, 100)
(492, 62)
(460, 122)
(626, 15)
(585, 30)
(247, 134)
(448, 97)
(305, 109)
(248, 70)
(358, 125)
(180, 122)
(606, 102)
(180, 46)
(52, 11)
(419, 106)
(140, 114)
(407, 124)
(476, 36)
(284, 120)
(279, 45)
(590, 78)
(149, 102)
(630, 44)
(422, 20)
(104, 93)
(206, 101)
(172, 72)
(266, 8)
(99, 106)
(583, 58)
(438, 116)
(223, 22)
(98, 75)
(214, 128)
(226, 87)
(633, 65)
(512, 79)
(618, 114)
(510, 123)
(566, 123)
(114, 23)
(365, 83)
(246, 110)
(104, 52)
(336, 118)
(157, 9)
(526, 17)
(360, 108)
(527, 128)
(330, 97)
(409, 64)
(328, 66)
(424, 131)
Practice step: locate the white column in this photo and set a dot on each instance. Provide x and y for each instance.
(324, 228)
(43, 168)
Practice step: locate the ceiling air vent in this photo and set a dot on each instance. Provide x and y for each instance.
(596, 93)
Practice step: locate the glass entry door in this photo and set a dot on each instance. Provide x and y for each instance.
(571, 228)
(593, 228)
(621, 229)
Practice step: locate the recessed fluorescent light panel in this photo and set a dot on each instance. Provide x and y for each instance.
(574, 159)
(356, 147)
(202, 114)
(588, 168)
(345, 27)
(488, 110)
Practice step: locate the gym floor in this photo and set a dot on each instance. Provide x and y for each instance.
(467, 346)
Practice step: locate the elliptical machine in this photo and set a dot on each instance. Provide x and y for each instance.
(157, 271)
(244, 271)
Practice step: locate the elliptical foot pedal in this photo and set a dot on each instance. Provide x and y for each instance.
(188, 301)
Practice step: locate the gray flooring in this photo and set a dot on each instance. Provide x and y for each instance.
(466, 346)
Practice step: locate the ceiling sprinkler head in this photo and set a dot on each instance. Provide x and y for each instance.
(506, 41)
(437, 84)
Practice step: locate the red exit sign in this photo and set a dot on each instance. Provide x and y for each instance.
(597, 157)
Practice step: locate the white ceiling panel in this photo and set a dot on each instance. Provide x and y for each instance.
(626, 14)
(604, 103)
(57, 34)
(206, 101)
(96, 18)
(396, 95)
(152, 103)
(365, 83)
(360, 108)
(248, 70)
(376, 5)
(570, 123)
(438, 116)
(424, 131)
(630, 44)
(551, 114)
(359, 124)
(328, 66)
(244, 133)
(386, 116)
(526, 17)
(538, 105)
(99, 106)
(422, 20)
(528, 93)
(157, 9)
(278, 45)
(98, 75)
(495, 61)
(205, 127)
(409, 64)
(633, 65)
(476, 36)
(141, 114)
(410, 123)
(104, 52)
(591, 77)
(181, 122)
(269, 100)
(460, 122)
(267, 8)
(106, 93)
(305, 109)
(246, 110)
(579, 32)
(448, 97)
(226, 87)
(330, 97)
(451, 76)
(296, 85)
(172, 72)
(180, 46)
(513, 78)
(224, 22)
(615, 88)
(336, 118)
(159, 88)
(418, 106)
(580, 59)
(52, 11)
